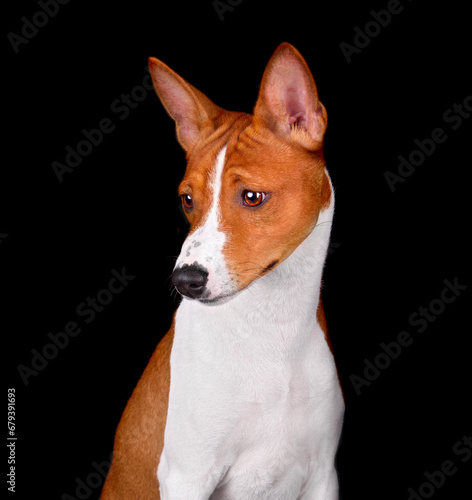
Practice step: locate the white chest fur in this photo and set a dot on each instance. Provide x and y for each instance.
(255, 406)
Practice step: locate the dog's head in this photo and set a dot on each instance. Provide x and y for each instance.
(254, 184)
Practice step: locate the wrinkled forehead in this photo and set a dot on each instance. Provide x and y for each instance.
(201, 160)
(250, 154)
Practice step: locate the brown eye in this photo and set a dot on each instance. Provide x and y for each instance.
(187, 201)
(253, 198)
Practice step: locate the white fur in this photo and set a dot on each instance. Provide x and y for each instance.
(255, 406)
(205, 245)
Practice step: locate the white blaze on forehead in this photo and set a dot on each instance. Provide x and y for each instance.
(204, 247)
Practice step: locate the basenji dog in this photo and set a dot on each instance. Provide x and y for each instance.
(241, 399)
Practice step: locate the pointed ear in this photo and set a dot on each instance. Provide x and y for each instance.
(194, 114)
(288, 100)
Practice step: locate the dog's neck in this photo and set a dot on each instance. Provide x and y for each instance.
(285, 300)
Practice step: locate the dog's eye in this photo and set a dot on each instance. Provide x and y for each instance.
(253, 198)
(187, 201)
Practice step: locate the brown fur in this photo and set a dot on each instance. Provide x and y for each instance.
(262, 161)
(140, 435)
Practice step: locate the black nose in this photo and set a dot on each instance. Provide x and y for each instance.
(190, 280)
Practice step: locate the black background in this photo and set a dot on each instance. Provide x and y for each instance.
(391, 251)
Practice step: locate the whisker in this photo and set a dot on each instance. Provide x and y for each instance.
(257, 265)
(244, 273)
(252, 268)
(172, 258)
